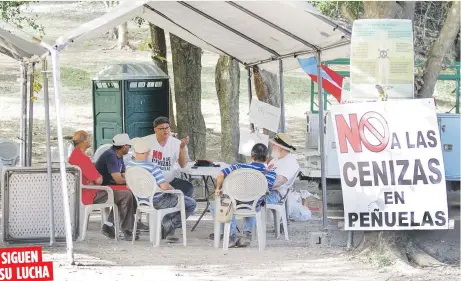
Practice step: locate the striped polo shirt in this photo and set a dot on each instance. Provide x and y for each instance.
(270, 175)
(154, 170)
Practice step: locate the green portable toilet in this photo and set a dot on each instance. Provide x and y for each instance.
(127, 97)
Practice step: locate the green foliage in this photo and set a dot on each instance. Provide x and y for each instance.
(75, 78)
(10, 11)
(332, 9)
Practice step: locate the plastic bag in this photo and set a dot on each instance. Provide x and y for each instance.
(296, 210)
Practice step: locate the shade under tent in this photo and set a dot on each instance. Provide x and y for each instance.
(271, 35)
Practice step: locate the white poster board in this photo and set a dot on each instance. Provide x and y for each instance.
(264, 115)
(391, 165)
(382, 54)
(249, 139)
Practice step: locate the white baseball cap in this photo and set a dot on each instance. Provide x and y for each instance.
(121, 139)
(141, 145)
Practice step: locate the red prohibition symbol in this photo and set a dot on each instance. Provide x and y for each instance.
(382, 139)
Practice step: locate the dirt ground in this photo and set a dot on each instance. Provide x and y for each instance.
(101, 259)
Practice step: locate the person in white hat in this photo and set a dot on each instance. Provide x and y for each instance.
(283, 163)
(161, 200)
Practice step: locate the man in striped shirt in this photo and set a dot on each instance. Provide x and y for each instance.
(161, 200)
(259, 154)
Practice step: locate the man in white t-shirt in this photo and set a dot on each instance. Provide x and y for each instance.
(283, 163)
(167, 152)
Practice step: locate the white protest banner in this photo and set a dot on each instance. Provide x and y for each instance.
(249, 139)
(264, 115)
(391, 165)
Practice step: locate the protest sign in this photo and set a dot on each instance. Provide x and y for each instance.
(391, 165)
(264, 115)
(249, 139)
(24, 264)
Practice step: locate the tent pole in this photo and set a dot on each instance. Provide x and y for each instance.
(282, 98)
(62, 165)
(31, 116)
(322, 141)
(23, 123)
(48, 148)
(250, 96)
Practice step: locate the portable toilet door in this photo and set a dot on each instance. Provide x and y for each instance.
(127, 98)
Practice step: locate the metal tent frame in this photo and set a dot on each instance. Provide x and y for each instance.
(29, 50)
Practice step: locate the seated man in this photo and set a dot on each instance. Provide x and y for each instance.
(90, 176)
(166, 152)
(283, 163)
(258, 159)
(161, 200)
(112, 167)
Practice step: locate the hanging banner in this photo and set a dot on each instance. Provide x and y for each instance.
(391, 165)
(382, 59)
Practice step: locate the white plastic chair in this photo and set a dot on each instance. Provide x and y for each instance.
(9, 153)
(100, 151)
(279, 211)
(243, 185)
(143, 185)
(104, 208)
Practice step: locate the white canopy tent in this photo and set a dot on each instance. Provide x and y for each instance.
(29, 50)
(270, 35)
(252, 32)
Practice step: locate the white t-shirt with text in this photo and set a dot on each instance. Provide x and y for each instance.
(288, 167)
(166, 156)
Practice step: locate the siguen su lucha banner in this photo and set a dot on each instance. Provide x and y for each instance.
(391, 165)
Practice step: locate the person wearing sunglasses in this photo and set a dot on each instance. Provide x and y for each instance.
(169, 153)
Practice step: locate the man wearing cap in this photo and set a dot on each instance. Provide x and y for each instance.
(161, 200)
(283, 163)
(90, 176)
(166, 151)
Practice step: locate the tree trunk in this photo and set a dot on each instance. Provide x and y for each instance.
(267, 89)
(379, 9)
(384, 248)
(122, 40)
(159, 57)
(113, 33)
(439, 49)
(187, 70)
(227, 81)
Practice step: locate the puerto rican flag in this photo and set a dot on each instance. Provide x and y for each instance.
(332, 82)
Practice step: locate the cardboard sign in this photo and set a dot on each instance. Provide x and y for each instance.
(264, 115)
(249, 139)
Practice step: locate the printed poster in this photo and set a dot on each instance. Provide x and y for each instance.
(382, 58)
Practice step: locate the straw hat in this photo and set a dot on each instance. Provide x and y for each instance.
(284, 141)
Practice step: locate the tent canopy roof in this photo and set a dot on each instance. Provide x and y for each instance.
(252, 32)
(131, 71)
(14, 45)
